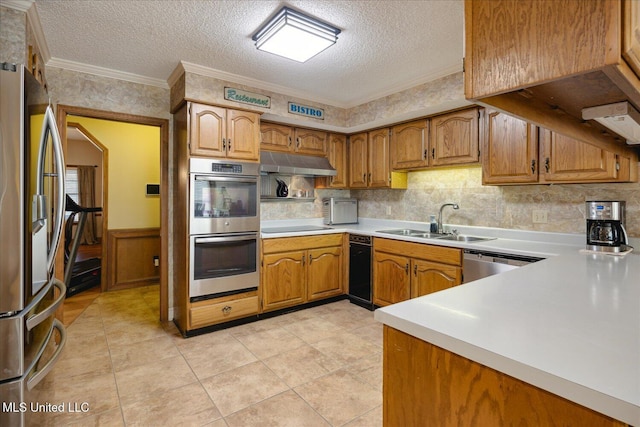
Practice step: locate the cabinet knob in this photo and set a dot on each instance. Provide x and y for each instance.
(228, 144)
(406, 268)
(533, 166)
(310, 259)
(226, 309)
(224, 144)
(546, 165)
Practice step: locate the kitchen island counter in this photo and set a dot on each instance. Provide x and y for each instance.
(569, 325)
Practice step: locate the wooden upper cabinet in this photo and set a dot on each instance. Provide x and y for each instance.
(410, 145)
(454, 138)
(379, 165)
(516, 152)
(555, 39)
(544, 61)
(311, 142)
(339, 159)
(509, 150)
(564, 159)
(207, 130)
(243, 135)
(358, 160)
(222, 132)
(276, 137)
(631, 34)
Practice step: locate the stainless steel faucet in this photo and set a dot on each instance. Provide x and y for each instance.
(454, 206)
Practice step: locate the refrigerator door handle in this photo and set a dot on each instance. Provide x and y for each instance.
(49, 127)
(39, 374)
(36, 319)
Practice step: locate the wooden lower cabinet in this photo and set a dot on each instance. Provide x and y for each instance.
(425, 385)
(296, 270)
(224, 309)
(403, 270)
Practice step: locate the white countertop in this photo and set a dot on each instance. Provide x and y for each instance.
(569, 324)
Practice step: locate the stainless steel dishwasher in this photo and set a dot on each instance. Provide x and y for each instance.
(479, 264)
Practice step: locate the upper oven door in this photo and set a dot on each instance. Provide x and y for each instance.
(223, 204)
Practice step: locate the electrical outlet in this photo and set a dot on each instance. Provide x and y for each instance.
(540, 216)
(388, 210)
(156, 261)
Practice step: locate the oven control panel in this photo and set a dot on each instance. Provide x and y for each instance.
(226, 168)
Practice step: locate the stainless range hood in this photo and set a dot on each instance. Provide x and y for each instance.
(295, 164)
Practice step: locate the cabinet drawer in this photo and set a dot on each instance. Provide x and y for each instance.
(283, 244)
(219, 312)
(445, 255)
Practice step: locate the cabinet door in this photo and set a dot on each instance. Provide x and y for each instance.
(324, 273)
(565, 159)
(428, 277)
(275, 137)
(207, 131)
(283, 279)
(510, 150)
(409, 147)
(390, 278)
(339, 160)
(358, 160)
(311, 142)
(243, 135)
(379, 172)
(454, 138)
(631, 34)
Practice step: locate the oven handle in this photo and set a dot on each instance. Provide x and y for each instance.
(226, 238)
(249, 179)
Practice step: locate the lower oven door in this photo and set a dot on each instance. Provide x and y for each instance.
(223, 264)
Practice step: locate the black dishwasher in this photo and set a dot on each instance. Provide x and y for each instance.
(360, 270)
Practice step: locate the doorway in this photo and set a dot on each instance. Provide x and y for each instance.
(63, 114)
(86, 175)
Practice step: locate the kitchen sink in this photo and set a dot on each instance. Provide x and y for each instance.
(463, 238)
(413, 233)
(427, 235)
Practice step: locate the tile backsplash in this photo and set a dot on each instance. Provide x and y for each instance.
(491, 206)
(487, 206)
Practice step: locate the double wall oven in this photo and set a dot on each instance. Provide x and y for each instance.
(224, 227)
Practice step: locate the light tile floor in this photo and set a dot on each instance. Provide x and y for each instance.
(321, 366)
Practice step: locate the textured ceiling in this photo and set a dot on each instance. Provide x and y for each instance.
(384, 46)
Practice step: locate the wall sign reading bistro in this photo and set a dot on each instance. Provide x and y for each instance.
(304, 110)
(238, 95)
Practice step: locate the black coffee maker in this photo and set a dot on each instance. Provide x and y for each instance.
(605, 226)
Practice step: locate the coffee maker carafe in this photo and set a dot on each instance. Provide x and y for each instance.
(605, 226)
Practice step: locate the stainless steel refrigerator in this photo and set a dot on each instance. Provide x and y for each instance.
(31, 216)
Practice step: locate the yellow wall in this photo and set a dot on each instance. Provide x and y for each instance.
(134, 162)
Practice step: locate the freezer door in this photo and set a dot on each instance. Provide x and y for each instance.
(17, 395)
(25, 334)
(12, 192)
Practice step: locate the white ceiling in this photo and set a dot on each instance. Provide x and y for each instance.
(384, 46)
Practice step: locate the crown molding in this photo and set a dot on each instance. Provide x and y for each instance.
(106, 72)
(428, 78)
(20, 5)
(34, 19)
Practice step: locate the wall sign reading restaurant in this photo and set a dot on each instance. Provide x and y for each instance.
(238, 95)
(304, 110)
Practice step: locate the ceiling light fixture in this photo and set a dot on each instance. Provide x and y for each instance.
(294, 35)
